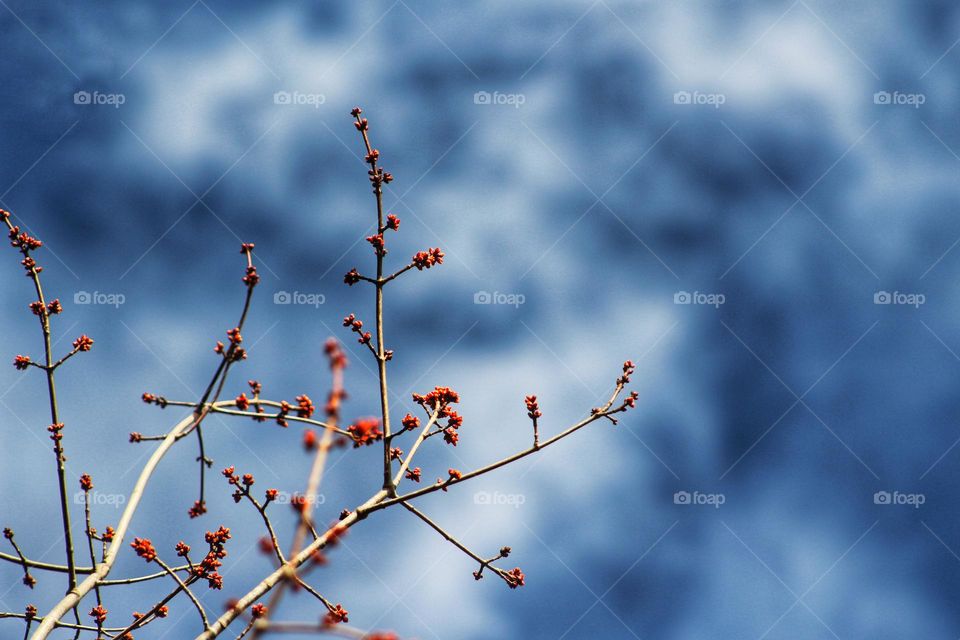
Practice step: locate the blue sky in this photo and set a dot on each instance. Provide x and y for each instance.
(752, 200)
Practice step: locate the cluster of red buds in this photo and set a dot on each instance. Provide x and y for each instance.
(144, 549)
(426, 259)
(410, 422)
(86, 482)
(305, 406)
(282, 413)
(21, 240)
(533, 407)
(336, 615)
(99, 614)
(207, 568)
(376, 241)
(243, 483)
(352, 277)
(515, 578)
(440, 400)
(56, 433)
(357, 327)
(258, 611)
(235, 352)
(242, 402)
(21, 362)
(149, 398)
(377, 175)
(365, 431)
(414, 474)
(198, 509)
(628, 369)
(83, 343)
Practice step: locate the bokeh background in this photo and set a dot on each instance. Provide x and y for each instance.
(790, 470)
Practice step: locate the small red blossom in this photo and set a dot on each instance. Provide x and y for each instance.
(21, 362)
(413, 474)
(305, 406)
(352, 277)
(242, 402)
(54, 307)
(336, 615)
(439, 396)
(393, 222)
(258, 610)
(450, 436)
(99, 614)
(182, 549)
(365, 431)
(515, 578)
(86, 482)
(426, 259)
(410, 422)
(144, 549)
(83, 343)
(198, 509)
(533, 407)
(376, 242)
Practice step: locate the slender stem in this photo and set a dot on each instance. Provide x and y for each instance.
(89, 532)
(186, 589)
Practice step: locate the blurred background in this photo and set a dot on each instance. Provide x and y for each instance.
(754, 201)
